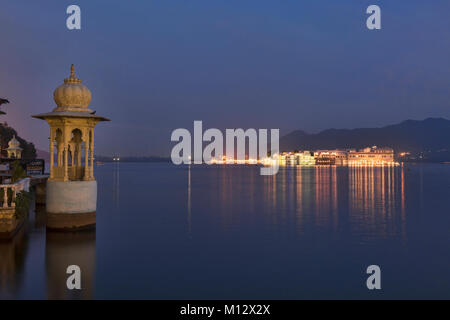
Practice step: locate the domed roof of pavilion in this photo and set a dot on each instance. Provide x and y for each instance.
(72, 99)
(14, 143)
(72, 95)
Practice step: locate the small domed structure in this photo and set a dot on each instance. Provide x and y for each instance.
(14, 150)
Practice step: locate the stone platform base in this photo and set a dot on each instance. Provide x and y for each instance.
(71, 204)
(71, 221)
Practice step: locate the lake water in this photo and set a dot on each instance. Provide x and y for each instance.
(225, 232)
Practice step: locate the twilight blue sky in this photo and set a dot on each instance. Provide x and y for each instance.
(154, 66)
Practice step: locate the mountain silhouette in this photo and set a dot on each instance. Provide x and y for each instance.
(415, 136)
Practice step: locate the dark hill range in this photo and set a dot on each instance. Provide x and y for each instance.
(431, 136)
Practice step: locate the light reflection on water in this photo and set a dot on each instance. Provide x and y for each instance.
(313, 196)
(227, 232)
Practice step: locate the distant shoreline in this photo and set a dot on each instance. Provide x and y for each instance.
(132, 159)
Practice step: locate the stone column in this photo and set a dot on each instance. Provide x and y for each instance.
(91, 175)
(66, 161)
(13, 203)
(52, 151)
(66, 154)
(72, 154)
(86, 157)
(59, 154)
(5, 197)
(79, 154)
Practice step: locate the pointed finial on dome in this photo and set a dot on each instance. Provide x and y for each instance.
(72, 78)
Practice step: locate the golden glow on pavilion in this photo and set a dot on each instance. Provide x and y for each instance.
(71, 131)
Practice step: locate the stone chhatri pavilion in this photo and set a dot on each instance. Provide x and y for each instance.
(14, 150)
(71, 187)
(71, 131)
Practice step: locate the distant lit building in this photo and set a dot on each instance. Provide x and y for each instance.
(341, 157)
(306, 158)
(324, 158)
(331, 157)
(352, 157)
(371, 156)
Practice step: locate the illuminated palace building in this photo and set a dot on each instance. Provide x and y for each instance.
(304, 158)
(371, 156)
(331, 157)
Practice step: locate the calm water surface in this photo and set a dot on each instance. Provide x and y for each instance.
(201, 232)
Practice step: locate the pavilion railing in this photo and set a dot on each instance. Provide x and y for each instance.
(74, 172)
(9, 192)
